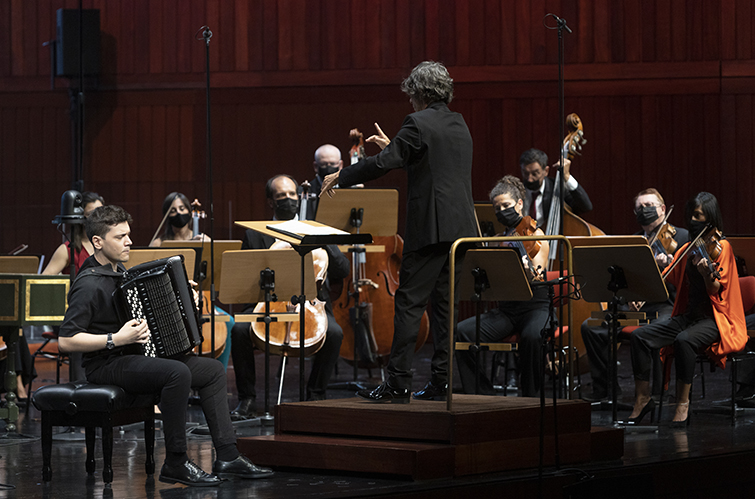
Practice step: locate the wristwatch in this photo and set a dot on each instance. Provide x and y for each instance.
(110, 345)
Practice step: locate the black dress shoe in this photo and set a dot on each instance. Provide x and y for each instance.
(244, 410)
(431, 391)
(241, 467)
(188, 473)
(386, 393)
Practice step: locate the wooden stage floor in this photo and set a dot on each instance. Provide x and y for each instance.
(709, 459)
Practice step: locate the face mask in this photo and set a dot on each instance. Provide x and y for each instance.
(286, 208)
(647, 215)
(508, 217)
(324, 171)
(695, 228)
(180, 220)
(533, 186)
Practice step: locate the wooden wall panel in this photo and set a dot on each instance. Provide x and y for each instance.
(664, 89)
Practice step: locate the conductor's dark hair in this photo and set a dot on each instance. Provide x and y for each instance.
(533, 156)
(429, 82)
(169, 234)
(509, 185)
(101, 220)
(709, 206)
(269, 184)
(79, 233)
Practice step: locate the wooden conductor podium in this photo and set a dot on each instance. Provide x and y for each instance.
(26, 299)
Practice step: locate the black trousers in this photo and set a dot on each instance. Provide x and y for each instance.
(598, 346)
(687, 334)
(173, 380)
(323, 364)
(526, 318)
(423, 276)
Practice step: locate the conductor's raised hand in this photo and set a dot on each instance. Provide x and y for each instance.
(134, 331)
(329, 183)
(380, 138)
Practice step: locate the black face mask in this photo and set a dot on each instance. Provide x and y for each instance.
(508, 217)
(533, 185)
(324, 171)
(179, 220)
(695, 228)
(647, 215)
(286, 208)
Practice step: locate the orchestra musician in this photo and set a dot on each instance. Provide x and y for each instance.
(650, 212)
(528, 317)
(113, 356)
(281, 193)
(178, 210)
(327, 161)
(707, 310)
(434, 146)
(534, 165)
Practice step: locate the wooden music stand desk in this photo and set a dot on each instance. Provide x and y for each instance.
(18, 264)
(143, 255)
(486, 219)
(380, 210)
(221, 246)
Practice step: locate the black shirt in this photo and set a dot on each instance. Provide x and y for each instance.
(91, 307)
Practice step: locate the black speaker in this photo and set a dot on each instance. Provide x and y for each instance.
(67, 46)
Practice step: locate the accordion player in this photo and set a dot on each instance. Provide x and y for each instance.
(159, 292)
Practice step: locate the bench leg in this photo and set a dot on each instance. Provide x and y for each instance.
(90, 434)
(107, 451)
(46, 446)
(149, 442)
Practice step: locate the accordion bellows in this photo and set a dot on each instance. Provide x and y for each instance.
(159, 292)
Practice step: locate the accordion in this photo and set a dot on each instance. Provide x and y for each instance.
(159, 293)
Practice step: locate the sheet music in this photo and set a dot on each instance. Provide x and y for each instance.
(305, 229)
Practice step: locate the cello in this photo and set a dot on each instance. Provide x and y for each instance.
(370, 291)
(573, 225)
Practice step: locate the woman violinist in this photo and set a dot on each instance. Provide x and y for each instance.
(707, 310)
(177, 209)
(526, 318)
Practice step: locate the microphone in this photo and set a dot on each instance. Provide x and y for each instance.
(561, 23)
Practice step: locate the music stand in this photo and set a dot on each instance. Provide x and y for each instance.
(143, 255)
(486, 219)
(244, 272)
(305, 237)
(17, 264)
(617, 274)
(346, 211)
(499, 274)
(221, 246)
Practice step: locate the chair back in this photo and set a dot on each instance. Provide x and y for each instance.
(747, 287)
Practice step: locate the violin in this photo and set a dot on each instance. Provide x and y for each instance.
(706, 245)
(527, 226)
(357, 145)
(664, 239)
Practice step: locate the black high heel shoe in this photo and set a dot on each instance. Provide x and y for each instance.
(649, 407)
(683, 423)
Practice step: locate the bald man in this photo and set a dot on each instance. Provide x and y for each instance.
(327, 161)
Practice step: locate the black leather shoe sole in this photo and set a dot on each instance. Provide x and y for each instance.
(250, 476)
(170, 480)
(387, 399)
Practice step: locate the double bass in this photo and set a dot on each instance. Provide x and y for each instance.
(371, 287)
(573, 225)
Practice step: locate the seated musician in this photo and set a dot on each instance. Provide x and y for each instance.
(650, 211)
(707, 312)
(281, 193)
(527, 318)
(82, 248)
(327, 160)
(540, 187)
(113, 356)
(178, 227)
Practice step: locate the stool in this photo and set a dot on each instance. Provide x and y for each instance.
(91, 406)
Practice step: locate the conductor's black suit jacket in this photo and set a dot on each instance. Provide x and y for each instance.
(435, 148)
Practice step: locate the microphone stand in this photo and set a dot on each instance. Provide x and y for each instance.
(206, 35)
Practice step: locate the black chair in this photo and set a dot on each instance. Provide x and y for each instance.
(92, 406)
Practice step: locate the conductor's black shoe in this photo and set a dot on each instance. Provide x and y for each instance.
(386, 393)
(241, 467)
(432, 391)
(189, 474)
(244, 410)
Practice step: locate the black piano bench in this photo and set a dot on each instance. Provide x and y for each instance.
(91, 406)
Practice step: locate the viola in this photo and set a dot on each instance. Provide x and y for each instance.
(527, 227)
(706, 245)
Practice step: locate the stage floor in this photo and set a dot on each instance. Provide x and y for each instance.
(702, 461)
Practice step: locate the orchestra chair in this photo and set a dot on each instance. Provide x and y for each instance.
(59, 358)
(559, 300)
(747, 286)
(92, 406)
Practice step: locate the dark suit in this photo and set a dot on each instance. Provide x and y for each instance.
(324, 360)
(435, 148)
(577, 200)
(314, 199)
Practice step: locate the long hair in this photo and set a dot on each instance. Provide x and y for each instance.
(79, 233)
(709, 206)
(169, 234)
